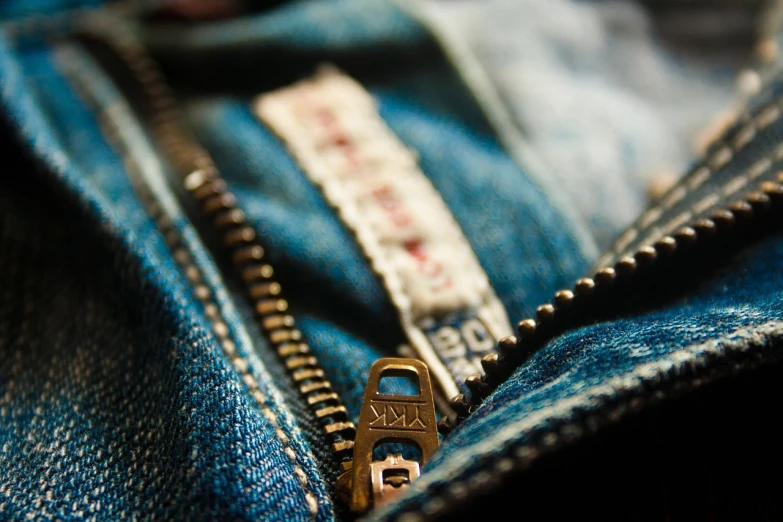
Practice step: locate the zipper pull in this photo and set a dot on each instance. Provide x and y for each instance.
(408, 419)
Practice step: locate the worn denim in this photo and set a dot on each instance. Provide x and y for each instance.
(116, 399)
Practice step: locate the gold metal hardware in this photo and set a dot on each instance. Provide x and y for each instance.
(385, 418)
(391, 476)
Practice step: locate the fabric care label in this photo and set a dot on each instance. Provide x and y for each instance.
(450, 313)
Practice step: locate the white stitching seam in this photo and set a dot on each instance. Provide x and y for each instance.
(174, 241)
(729, 189)
(739, 341)
(240, 364)
(719, 159)
(650, 217)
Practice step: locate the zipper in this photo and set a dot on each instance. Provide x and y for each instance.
(385, 418)
(203, 182)
(701, 231)
(364, 483)
(389, 418)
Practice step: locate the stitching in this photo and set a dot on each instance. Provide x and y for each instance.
(674, 197)
(692, 357)
(701, 175)
(650, 217)
(718, 160)
(679, 221)
(734, 185)
(760, 167)
(706, 202)
(203, 293)
(199, 287)
(731, 187)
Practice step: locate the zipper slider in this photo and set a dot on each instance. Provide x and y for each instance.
(408, 419)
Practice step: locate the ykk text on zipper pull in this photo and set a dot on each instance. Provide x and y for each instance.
(390, 418)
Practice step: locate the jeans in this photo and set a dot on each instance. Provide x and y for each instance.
(136, 381)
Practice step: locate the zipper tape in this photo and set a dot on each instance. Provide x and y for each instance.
(450, 313)
(207, 190)
(146, 172)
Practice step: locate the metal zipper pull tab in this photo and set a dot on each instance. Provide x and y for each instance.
(389, 418)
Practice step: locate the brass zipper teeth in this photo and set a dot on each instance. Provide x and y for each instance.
(203, 182)
(557, 316)
(264, 293)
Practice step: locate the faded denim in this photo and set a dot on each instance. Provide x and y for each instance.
(116, 400)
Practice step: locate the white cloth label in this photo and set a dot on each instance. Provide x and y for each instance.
(449, 311)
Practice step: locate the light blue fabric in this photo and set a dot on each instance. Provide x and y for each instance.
(591, 93)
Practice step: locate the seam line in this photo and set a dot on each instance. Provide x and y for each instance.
(713, 163)
(653, 215)
(182, 257)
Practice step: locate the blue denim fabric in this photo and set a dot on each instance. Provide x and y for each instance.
(147, 353)
(117, 400)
